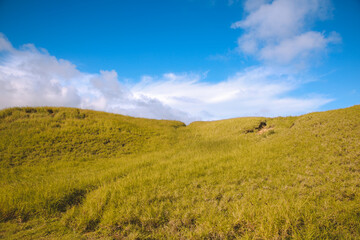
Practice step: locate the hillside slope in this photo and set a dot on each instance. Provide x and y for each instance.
(70, 174)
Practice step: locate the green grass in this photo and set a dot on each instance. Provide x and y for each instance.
(78, 174)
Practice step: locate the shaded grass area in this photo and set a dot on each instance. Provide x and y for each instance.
(244, 178)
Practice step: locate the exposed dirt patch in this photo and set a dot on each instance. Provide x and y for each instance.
(264, 130)
(262, 125)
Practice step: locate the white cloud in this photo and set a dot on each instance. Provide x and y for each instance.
(32, 77)
(254, 92)
(298, 46)
(279, 30)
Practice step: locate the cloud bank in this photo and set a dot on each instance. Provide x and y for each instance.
(30, 76)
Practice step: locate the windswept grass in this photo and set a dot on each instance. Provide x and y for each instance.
(70, 174)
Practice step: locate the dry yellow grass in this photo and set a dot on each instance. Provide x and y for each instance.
(72, 174)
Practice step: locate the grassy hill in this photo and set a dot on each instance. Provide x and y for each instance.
(79, 174)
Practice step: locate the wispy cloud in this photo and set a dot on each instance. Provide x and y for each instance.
(255, 91)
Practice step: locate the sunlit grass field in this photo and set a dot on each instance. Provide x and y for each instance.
(78, 174)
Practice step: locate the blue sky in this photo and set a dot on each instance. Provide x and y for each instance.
(186, 60)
